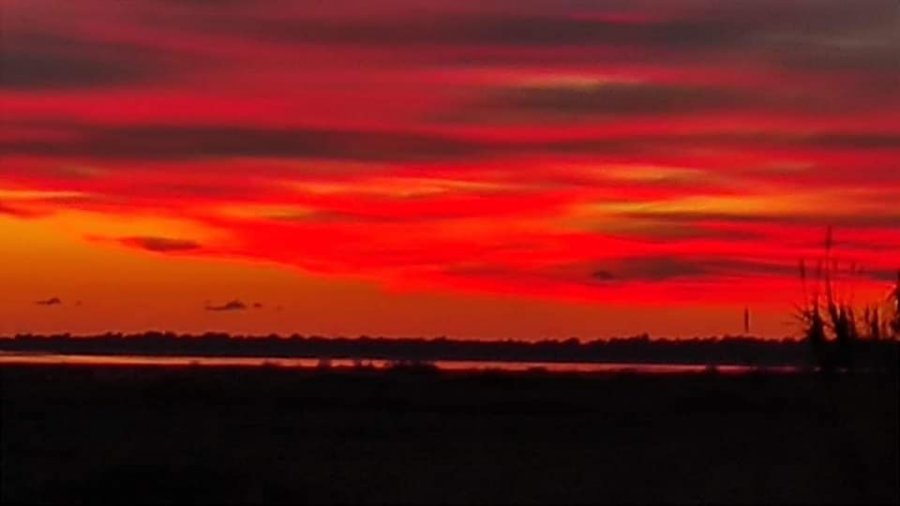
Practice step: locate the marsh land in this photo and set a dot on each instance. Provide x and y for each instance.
(105, 434)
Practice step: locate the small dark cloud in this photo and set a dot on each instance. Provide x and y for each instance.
(653, 269)
(603, 275)
(53, 301)
(234, 305)
(161, 244)
(257, 305)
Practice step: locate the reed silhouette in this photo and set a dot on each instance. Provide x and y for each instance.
(895, 302)
(832, 326)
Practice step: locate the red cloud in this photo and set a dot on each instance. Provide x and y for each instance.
(631, 153)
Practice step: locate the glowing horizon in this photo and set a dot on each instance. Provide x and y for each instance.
(496, 169)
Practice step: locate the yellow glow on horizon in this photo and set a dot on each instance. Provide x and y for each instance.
(111, 288)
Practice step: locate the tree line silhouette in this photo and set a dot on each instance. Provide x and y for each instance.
(737, 350)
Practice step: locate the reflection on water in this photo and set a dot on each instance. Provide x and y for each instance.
(311, 363)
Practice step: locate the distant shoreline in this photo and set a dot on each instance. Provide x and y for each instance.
(725, 351)
(26, 358)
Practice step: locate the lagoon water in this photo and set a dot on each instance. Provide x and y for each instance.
(27, 358)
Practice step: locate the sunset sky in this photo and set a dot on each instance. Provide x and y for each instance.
(493, 168)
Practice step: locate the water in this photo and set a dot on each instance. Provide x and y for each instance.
(9, 358)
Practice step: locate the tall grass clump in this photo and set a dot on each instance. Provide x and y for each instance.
(831, 324)
(895, 302)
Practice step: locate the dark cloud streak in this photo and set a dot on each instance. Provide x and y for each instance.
(52, 61)
(234, 305)
(662, 268)
(181, 143)
(161, 244)
(53, 301)
(849, 220)
(172, 142)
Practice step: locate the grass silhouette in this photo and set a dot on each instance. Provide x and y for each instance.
(832, 326)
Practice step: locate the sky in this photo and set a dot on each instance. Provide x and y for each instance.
(517, 169)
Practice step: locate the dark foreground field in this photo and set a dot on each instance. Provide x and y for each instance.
(156, 435)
